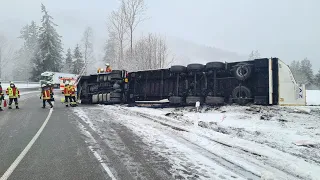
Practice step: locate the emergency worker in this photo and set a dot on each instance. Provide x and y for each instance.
(51, 89)
(108, 67)
(13, 93)
(46, 95)
(100, 70)
(1, 97)
(72, 92)
(66, 94)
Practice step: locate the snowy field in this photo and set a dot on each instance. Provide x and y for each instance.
(20, 86)
(313, 97)
(230, 142)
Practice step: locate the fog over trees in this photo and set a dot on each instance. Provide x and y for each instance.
(42, 48)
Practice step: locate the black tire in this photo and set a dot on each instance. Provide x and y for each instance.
(211, 100)
(191, 100)
(178, 69)
(195, 67)
(175, 100)
(215, 65)
(240, 95)
(242, 71)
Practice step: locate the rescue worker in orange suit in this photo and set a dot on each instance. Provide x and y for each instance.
(51, 89)
(13, 93)
(66, 94)
(108, 67)
(46, 95)
(72, 92)
(1, 97)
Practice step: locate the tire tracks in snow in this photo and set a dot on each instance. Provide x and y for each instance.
(129, 161)
(233, 166)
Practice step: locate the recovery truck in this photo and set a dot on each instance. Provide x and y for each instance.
(54, 78)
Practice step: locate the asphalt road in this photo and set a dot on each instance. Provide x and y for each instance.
(59, 152)
(36, 143)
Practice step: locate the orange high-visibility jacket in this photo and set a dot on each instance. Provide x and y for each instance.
(66, 91)
(72, 91)
(13, 92)
(46, 93)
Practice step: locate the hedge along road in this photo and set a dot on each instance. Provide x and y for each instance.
(38, 143)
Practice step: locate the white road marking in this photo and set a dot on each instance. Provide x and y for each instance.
(99, 158)
(7, 174)
(105, 167)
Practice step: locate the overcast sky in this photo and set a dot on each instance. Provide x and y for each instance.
(288, 29)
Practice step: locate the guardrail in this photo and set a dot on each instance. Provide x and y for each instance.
(22, 84)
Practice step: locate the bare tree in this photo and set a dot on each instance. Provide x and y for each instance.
(87, 43)
(134, 14)
(151, 52)
(254, 55)
(118, 26)
(110, 50)
(7, 53)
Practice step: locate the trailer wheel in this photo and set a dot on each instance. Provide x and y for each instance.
(178, 69)
(214, 100)
(242, 71)
(195, 67)
(191, 100)
(240, 95)
(176, 100)
(214, 65)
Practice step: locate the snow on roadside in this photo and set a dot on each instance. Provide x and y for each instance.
(269, 132)
(186, 162)
(313, 97)
(20, 86)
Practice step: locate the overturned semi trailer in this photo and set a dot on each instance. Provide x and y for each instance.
(265, 81)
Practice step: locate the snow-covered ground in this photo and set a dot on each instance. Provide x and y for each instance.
(313, 97)
(20, 86)
(230, 141)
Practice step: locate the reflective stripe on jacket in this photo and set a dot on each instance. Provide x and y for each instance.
(46, 93)
(72, 91)
(13, 92)
(66, 91)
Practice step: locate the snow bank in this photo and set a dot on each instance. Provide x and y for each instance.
(20, 86)
(313, 97)
(270, 132)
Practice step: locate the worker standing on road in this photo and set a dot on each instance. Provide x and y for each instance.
(13, 93)
(66, 94)
(46, 95)
(72, 91)
(51, 90)
(1, 97)
(108, 67)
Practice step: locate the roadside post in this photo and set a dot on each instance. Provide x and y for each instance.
(197, 112)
